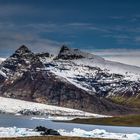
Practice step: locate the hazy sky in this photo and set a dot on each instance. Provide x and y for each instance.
(86, 24)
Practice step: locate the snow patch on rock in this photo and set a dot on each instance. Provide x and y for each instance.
(2, 73)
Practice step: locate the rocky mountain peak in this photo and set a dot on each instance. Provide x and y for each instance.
(68, 53)
(64, 49)
(22, 50)
(22, 57)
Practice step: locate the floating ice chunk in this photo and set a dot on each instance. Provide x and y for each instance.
(17, 132)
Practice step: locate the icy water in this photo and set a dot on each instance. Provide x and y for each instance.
(27, 122)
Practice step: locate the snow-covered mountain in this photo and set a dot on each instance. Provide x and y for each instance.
(84, 58)
(72, 79)
(95, 74)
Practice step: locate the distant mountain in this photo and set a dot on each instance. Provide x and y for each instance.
(73, 79)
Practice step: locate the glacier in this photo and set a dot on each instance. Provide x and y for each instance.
(14, 106)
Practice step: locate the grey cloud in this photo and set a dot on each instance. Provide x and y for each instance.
(128, 56)
(12, 36)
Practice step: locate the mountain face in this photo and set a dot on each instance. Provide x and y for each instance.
(72, 79)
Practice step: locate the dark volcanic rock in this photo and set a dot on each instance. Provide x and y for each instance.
(40, 128)
(51, 132)
(46, 131)
(42, 55)
(2, 78)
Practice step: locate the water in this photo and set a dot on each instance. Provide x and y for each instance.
(27, 122)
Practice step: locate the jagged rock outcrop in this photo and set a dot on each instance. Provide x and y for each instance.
(21, 61)
(67, 53)
(46, 131)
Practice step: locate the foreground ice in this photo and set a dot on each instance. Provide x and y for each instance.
(17, 132)
(97, 133)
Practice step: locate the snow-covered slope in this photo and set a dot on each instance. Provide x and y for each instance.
(1, 59)
(15, 106)
(95, 74)
(111, 67)
(87, 76)
(92, 60)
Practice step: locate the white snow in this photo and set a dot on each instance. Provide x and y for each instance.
(112, 67)
(96, 133)
(2, 73)
(14, 106)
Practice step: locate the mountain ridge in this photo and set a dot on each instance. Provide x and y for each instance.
(63, 81)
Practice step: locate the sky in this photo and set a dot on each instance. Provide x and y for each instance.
(109, 28)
